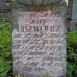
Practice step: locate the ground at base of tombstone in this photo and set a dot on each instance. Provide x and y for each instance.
(41, 74)
(46, 76)
(31, 75)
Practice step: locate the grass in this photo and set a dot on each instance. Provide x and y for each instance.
(5, 49)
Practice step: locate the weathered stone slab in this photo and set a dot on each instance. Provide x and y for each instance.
(51, 1)
(3, 5)
(24, 1)
(74, 11)
(39, 42)
(38, 2)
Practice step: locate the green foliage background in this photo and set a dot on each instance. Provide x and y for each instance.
(72, 54)
(6, 51)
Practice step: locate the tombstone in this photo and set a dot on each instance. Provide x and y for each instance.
(74, 16)
(39, 38)
(5, 10)
(69, 14)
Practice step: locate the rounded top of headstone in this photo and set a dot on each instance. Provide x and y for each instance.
(37, 2)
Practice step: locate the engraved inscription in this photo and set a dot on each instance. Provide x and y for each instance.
(39, 45)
